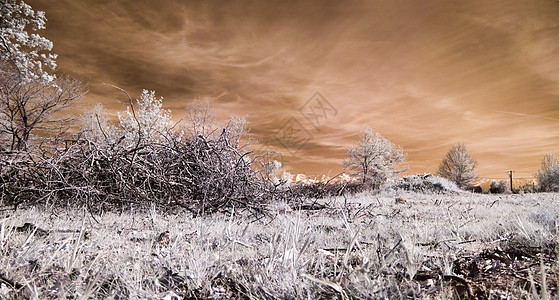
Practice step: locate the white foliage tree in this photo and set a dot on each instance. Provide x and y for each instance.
(147, 120)
(458, 166)
(21, 47)
(30, 94)
(548, 174)
(95, 125)
(375, 159)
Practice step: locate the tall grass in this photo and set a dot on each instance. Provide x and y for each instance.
(366, 247)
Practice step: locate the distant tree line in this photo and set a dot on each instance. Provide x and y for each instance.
(375, 160)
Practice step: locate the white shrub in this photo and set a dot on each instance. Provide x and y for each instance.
(148, 121)
(375, 159)
(425, 183)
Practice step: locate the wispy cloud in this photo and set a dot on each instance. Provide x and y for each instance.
(425, 74)
(527, 115)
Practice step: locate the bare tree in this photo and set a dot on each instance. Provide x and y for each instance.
(29, 107)
(200, 120)
(375, 159)
(548, 174)
(458, 166)
(30, 94)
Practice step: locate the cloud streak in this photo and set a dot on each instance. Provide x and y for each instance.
(425, 74)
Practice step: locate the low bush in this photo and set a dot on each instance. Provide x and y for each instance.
(498, 187)
(529, 187)
(141, 162)
(200, 175)
(425, 183)
(548, 174)
(319, 190)
(20, 177)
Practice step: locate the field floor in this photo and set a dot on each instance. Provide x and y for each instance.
(395, 245)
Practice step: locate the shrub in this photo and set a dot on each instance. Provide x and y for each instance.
(320, 190)
(425, 183)
(498, 187)
(140, 162)
(548, 174)
(529, 187)
(200, 175)
(20, 177)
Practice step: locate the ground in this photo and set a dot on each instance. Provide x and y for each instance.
(372, 245)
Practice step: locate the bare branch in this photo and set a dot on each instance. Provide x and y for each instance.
(458, 166)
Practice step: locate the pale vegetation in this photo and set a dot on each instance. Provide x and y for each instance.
(434, 246)
(548, 174)
(140, 207)
(458, 166)
(22, 48)
(374, 159)
(28, 110)
(30, 94)
(499, 187)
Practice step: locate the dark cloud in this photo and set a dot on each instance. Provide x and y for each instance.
(426, 74)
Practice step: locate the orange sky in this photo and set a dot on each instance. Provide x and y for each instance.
(425, 74)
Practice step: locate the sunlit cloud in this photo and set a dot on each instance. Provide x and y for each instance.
(425, 74)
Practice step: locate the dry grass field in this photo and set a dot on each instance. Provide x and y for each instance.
(395, 245)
